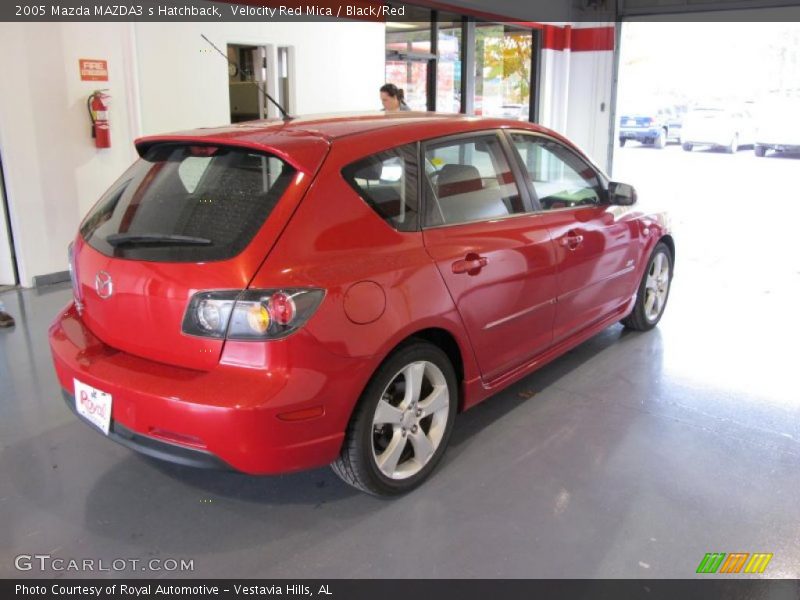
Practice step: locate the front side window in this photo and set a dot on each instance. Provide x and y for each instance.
(467, 180)
(387, 182)
(183, 203)
(560, 179)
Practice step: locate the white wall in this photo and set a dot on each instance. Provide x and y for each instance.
(590, 82)
(162, 77)
(53, 172)
(575, 96)
(184, 82)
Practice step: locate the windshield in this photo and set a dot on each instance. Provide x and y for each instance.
(182, 203)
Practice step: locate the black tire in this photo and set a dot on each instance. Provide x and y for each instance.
(687, 146)
(622, 141)
(357, 464)
(661, 141)
(638, 318)
(759, 151)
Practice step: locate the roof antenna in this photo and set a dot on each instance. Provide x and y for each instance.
(286, 116)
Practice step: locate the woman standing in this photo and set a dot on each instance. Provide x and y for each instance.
(393, 98)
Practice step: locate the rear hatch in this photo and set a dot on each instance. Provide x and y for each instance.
(186, 217)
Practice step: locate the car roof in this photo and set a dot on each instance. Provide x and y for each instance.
(300, 140)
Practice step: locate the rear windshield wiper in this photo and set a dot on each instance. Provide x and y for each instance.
(155, 239)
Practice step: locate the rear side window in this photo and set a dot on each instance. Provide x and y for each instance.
(387, 181)
(183, 203)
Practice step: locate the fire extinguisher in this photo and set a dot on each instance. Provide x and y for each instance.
(97, 105)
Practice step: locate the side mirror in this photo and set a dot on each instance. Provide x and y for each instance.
(621, 194)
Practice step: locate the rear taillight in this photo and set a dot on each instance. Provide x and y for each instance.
(73, 276)
(250, 314)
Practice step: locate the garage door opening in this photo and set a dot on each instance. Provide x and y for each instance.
(697, 105)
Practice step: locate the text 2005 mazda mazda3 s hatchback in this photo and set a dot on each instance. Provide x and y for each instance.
(281, 295)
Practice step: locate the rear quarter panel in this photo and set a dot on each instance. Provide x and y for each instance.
(335, 241)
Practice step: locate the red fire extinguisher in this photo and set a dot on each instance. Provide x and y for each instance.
(97, 104)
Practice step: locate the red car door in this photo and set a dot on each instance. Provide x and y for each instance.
(595, 250)
(495, 256)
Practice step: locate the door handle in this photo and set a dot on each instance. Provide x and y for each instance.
(571, 240)
(471, 264)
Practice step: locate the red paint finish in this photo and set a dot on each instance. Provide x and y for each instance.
(596, 260)
(578, 39)
(508, 304)
(511, 294)
(592, 39)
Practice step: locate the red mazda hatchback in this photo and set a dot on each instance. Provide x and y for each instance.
(280, 295)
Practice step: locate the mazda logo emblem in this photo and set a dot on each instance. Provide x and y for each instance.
(103, 285)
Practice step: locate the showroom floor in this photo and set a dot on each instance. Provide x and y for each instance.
(632, 456)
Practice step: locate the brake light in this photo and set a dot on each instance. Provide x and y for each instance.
(250, 314)
(283, 308)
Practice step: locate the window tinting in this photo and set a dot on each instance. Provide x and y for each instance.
(469, 180)
(219, 196)
(387, 181)
(560, 179)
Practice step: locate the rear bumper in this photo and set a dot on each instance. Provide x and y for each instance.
(239, 415)
(182, 455)
(639, 134)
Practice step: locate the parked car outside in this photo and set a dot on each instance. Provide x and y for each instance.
(777, 126)
(728, 128)
(650, 127)
(282, 295)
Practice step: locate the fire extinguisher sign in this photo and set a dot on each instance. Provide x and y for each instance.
(93, 69)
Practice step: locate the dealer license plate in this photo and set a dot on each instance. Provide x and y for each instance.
(94, 405)
(630, 123)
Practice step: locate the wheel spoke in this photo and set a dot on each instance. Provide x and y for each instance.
(388, 459)
(413, 374)
(651, 283)
(435, 401)
(423, 447)
(648, 303)
(658, 264)
(386, 413)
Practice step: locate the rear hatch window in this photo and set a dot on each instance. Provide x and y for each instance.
(187, 203)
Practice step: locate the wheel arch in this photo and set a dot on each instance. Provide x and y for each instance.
(670, 244)
(440, 337)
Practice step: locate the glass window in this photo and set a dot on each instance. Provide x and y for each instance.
(408, 46)
(411, 76)
(387, 181)
(503, 60)
(448, 67)
(469, 180)
(560, 179)
(187, 204)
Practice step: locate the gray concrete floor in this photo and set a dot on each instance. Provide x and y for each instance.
(636, 454)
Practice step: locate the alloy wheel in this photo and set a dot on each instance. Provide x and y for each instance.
(410, 420)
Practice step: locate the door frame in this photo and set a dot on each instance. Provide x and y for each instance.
(7, 223)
